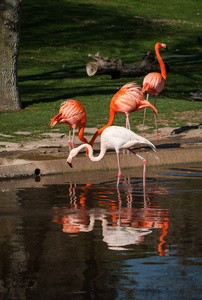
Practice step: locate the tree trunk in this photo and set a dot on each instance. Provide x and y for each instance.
(119, 69)
(9, 49)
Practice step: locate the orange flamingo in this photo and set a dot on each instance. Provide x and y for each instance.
(72, 113)
(128, 99)
(154, 82)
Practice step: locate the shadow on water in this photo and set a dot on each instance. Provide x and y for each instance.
(83, 239)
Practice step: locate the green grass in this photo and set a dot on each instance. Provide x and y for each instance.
(57, 36)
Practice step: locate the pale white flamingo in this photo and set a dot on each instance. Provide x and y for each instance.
(117, 138)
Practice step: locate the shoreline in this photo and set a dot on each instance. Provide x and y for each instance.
(48, 156)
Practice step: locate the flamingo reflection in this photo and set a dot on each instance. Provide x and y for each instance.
(121, 226)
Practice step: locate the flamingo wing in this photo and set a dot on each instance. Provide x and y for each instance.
(127, 99)
(117, 137)
(153, 83)
(73, 113)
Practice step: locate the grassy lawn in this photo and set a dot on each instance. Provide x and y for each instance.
(57, 36)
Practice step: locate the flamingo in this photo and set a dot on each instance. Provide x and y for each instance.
(117, 138)
(128, 99)
(154, 82)
(72, 113)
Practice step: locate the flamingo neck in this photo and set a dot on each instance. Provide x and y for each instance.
(161, 63)
(80, 135)
(99, 131)
(90, 153)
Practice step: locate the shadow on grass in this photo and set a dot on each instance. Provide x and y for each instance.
(62, 23)
(66, 93)
(185, 128)
(58, 74)
(88, 27)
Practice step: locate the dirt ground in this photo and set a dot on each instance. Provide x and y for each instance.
(48, 156)
(55, 143)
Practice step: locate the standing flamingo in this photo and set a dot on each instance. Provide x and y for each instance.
(72, 113)
(115, 137)
(154, 82)
(128, 99)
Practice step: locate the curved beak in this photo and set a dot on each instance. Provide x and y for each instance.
(154, 109)
(69, 161)
(70, 164)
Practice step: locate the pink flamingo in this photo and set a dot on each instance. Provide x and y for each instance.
(154, 82)
(73, 114)
(128, 99)
(117, 138)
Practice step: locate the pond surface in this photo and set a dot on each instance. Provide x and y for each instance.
(63, 239)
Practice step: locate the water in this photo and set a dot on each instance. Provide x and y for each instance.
(83, 239)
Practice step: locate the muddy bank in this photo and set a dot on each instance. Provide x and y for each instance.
(48, 156)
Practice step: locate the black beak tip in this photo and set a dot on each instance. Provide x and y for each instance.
(69, 164)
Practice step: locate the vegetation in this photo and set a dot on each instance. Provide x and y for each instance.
(57, 36)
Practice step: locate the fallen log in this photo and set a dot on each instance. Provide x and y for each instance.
(118, 69)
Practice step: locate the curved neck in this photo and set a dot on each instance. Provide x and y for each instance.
(161, 63)
(54, 120)
(90, 154)
(110, 122)
(80, 135)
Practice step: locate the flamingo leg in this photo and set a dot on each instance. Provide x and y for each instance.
(128, 127)
(69, 140)
(157, 134)
(73, 136)
(144, 167)
(119, 169)
(127, 121)
(145, 110)
(72, 194)
(117, 184)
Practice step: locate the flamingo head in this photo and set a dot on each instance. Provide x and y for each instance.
(164, 46)
(52, 123)
(72, 154)
(161, 45)
(144, 104)
(69, 161)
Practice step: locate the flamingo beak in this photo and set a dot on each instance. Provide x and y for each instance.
(164, 46)
(153, 107)
(155, 110)
(69, 161)
(70, 164)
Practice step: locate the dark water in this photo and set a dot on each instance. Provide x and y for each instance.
(63, 239)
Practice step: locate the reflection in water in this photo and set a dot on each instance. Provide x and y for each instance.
(121, 226)
(161, 229)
